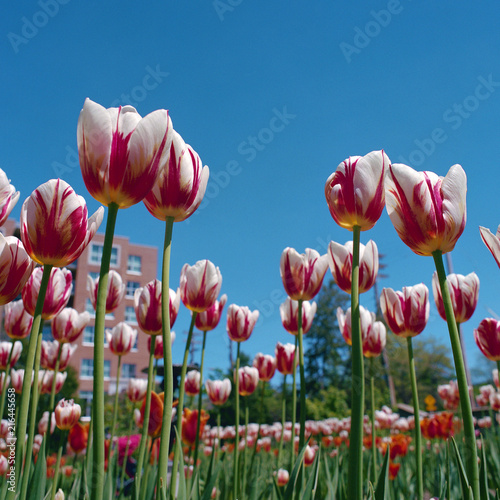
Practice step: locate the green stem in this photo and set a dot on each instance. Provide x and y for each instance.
(115, 407)
(355, 477)
(416, 412)
(168, 373)
(374, 436)
(243, 483)
(97, 480)
(28, 373)
(302, 433)
(145, 423)
(470, 439)
(125, 456)
(180, 406)
(283, 418)
(236, 423)
(56, 472)
(294, 403)
(198, 422)
(53, 388)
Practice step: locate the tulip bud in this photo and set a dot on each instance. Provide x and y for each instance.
(192, 382)
(121, 339)
(266, 365)
(218, 390)
(5, 351)
(136, 389)
(209, 319)
(67, 414)
(17, 321)
(285, 358)
(240, 322)
(248, 380)
(487, 337)
(200, 285)
(282, 477)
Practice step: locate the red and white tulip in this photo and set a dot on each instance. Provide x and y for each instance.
(69, 324)
(200, 285)
(289, 312)
(218, 390)
(17, 322)
(8, 197)
(114, 295)
(266, 365)
(240, 322)
(121, 339)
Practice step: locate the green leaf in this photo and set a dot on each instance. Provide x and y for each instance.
(210, 482)
(312, 482)
(277, 489)
(289, 492)
(461, 470)
(382, 491)
(39, 478)
(181, 482)
(483, 474)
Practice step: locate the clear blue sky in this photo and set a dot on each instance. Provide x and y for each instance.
(273, 96)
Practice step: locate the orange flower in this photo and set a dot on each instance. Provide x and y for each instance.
(78, 437)
(155, 414)
(189, 424)
(393, 470)
(399, 445)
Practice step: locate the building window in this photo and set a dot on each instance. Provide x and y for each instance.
(94, 274)
(47, 332)
(130, 315)
(128, 371)
(86, 396)
(88, 335)
(134, 347)
(87, 368)
(89, 307)
(95, 255)
(134, 264)
(132, 286)
(107, 368)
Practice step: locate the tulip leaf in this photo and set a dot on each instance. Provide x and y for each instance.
(382, 491)
(290, 489)
(483, 474)
(461, 470)
(210, 483)
(277, 489)
(181, 478)
(331, 485)
(39, 478)
(312, 482)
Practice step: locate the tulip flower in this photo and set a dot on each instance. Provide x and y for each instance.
(428, 211)
(492, 242)
(285, 358)
(78, 437)
(58, 292)
(8, 197)
(121, 339)
(266, 365)
(136, 389)
(121, 152)
(67, 414)
(289, 312)
(46, 378)
(9, 351)
(155, 415)
(17, 322)
(158, 352)
(340, 262)
(181, 183)
(495, 401)
(218, 390)
(406, 312)
(114, 295)
(248, 380)
(355, 191)
(192, 383)
(282, 477)
(50, 354)
(4, 466)
(449, 393)
(15, 268)
(55, 228)
(209, 319)
(367, 318)
(190, 425)
(43, 424)
(464, 291)
(374, 340)
(69, 324)
(487, 337)
(302, 274)
(495, 378)
(240, 322)
(200, 285)
(16, 380)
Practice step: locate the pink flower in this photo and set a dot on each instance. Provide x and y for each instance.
(136, 389)
(45, 378)
(218, 390)
(240, 322)
(69, 324)
(158, 354)
(55, 228)
(340, 262)
(67, 414)
(344, 320)
(192, 382)
(209, 319)
(200, 285)
(114, 295)
(57, 296)
(464, 292)
(407, 312)
(147, 303)
(17, 321)
(8, 197)
(266, 365)
(43, 424)
(487, 337)
(4, 465)
(5, 351)
(121, 152)
(289, 311)
(282, 477)
(302, 274)
(492, 242)
(495, 378)
(374, 340)
(355, 191)
(450, 395)
(121, 339)
(15, 268)
(248, 380)
(285, 358)
(428, 211)
(495, 401)
(50, 353)
(16, 380)
(181, 183)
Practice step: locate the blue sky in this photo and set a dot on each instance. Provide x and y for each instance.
(273, 96)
